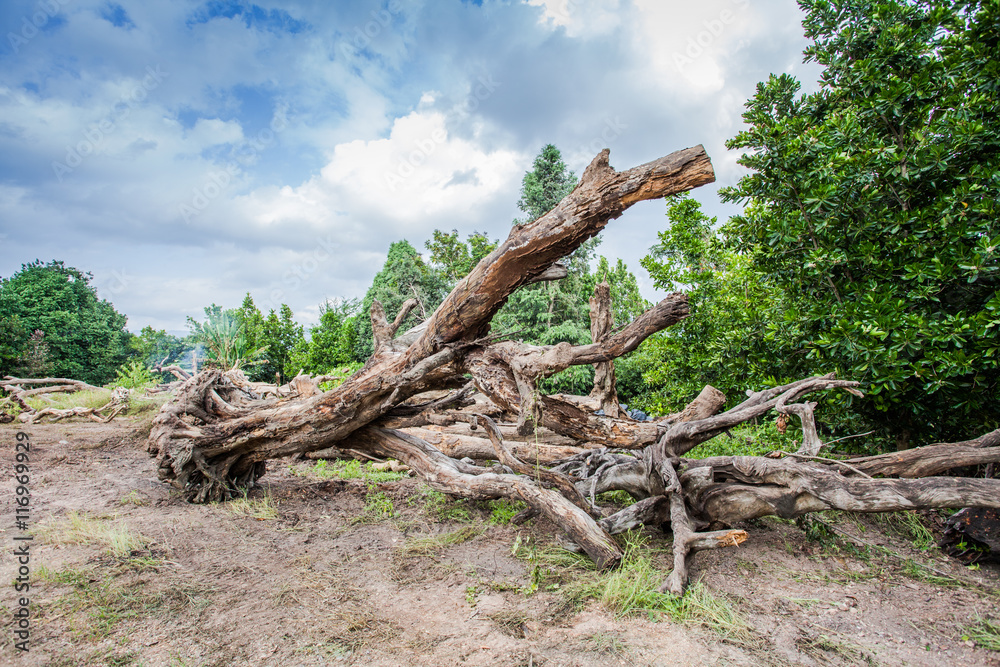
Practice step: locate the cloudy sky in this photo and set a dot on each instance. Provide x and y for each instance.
(189, 152)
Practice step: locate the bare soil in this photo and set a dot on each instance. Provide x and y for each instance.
(326, 581)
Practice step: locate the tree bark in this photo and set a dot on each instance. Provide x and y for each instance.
(602, 321)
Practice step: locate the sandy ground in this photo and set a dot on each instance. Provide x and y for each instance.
(313, 585)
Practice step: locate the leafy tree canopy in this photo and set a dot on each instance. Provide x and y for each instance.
(84, 336)
(873, 204)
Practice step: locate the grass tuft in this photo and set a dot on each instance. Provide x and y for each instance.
(985, 633)
(435, 544)
(114, 535)
(262, 509)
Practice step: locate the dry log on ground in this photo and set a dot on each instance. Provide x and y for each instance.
(217, 434)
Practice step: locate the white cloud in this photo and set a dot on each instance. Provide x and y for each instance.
(408, 182)
(580, 18)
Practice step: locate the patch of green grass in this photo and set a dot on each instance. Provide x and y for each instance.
(438, 504)
(608, 643)
(819, 646)
(616, 498)
(263, 509)
(89, 398)
(105, 603)
(378, 507)
(985, 633)
(352, 469)
(909, 525)
(503, 510)
(113, 535)
(633, 589)
(134, 498)
(435, 544)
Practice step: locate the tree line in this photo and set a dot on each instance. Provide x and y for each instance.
(867, 245)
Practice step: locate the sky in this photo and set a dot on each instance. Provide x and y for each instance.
(186, 153)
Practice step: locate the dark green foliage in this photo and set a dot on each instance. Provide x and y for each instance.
(404, 276)
(548, 182)
(84, 336)
(736, 336)
(280, 334)
(331, 342)
(873, 206)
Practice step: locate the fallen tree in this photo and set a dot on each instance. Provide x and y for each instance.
(219, 431)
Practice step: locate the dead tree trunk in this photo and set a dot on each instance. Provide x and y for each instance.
(602, 321)
(231, 437)
(218, 433)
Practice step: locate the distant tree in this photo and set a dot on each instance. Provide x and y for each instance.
(84, 335)
(331, 342)
(153, 346)
(280, 336)
(404, 276)
(455, 258)
(873, 205)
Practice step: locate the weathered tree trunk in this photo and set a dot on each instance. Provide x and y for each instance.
(218, 432)
(602, 321)
(231, 439)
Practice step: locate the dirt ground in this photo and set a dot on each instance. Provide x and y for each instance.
(317, 571)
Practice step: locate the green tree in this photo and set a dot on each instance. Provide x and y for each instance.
(153, 346)
(553, 311)
(455, 258)
(736, 336)
(873, 204)
(548, 182)
(404, 276)
(331, 342)
(85, 336)
(280, 335)
(225, 340)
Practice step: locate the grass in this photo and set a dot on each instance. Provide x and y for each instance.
(349, 469)
(93, 398)
(435, 544)
(608, 644)
(378, 507)
(503, 510)
(819, 646)
(106, 603)
(261, 509)
(440, 505)
(910, 526)
(113, 535)
(134, 498)
(632, 589)
(985, 633)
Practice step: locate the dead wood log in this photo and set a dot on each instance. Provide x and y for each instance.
(445, 474)
(209, 439)
(602, 321)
